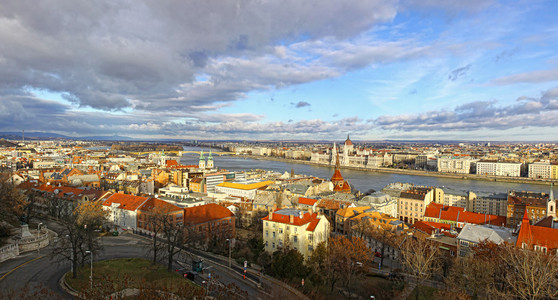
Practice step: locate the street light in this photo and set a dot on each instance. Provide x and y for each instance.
(228, 240)
(38, 242)
(91, 275)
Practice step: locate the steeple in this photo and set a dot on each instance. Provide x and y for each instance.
(201, 164)
(210, 160)
(551, 195)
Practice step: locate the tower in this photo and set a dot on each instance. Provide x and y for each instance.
(201, 164)
(163, 161)
(551, 204)
(333, 151)
(347, 150)
(210, 160)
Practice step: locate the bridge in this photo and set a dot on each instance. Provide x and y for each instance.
(183, 152)
(207, 153)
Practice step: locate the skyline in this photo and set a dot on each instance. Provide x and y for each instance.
(264, 70)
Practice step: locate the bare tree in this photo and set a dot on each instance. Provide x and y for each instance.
(346, 257)
(421, 258)
(174, 236)
(78, 235)
(530, 274)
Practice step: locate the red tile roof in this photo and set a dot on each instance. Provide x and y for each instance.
(297, 220)
(537, 235)
(127, 202)
(458, 214)
(206, 213)
(306, 201)
(430, 227)
(159, 204)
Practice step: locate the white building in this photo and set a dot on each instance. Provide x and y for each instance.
(540, 170)
(494, 168)
(241, 190)
(123, 209)
(454, 164)
(296, 229)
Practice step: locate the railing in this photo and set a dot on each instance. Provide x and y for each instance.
(8, 248)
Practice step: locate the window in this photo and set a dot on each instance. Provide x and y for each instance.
(273, 234)
(266, 233)
(295, 239)
(273, 245)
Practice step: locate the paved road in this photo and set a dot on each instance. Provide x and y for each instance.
(36, 271)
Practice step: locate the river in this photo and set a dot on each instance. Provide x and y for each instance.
(361, 180)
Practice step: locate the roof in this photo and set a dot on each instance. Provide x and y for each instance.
(430, 227)
(127, 202)
(352, 211)
(307, 201)
(478, 233)
(528, 198)
(284, 216)
(458, 214)
(537, 235)
(206, 213)
(162, 206)
(336, 176)
(243, 186)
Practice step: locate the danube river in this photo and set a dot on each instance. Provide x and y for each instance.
(361, 180)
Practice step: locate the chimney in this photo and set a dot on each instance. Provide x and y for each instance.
(291, 219)
(271, 215)
(310, 211)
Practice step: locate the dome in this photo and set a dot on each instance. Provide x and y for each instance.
(348, 141)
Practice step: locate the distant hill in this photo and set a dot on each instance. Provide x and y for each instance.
(105, 138)
(36, 135)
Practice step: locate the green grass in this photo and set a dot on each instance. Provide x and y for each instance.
(114, 275)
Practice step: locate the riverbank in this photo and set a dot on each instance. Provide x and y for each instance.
(523, 180)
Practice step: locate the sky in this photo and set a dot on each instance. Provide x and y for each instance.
(478, 70)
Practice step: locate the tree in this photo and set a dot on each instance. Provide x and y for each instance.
(78, 234)
(420, 257)
(288, 264)
(12, 201)
(346, 257)
(174, 236)
(530, 274)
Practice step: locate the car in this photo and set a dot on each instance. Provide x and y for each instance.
(378, 254)
(190, 275)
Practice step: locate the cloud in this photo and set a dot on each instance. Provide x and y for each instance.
(459, 72)
(528, 77)
(480, 115)
(302, 104)
(144, 55)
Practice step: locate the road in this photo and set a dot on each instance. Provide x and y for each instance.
(37, 271)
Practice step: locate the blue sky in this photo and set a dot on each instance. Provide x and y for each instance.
(282, 70)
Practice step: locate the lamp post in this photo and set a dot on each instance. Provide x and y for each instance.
(228, 240)
(38, 242)
(91, 275)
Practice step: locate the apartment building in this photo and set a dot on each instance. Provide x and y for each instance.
(535, 204)
(492, 204)
(495, 168)
(454, 164)
(299, 229)
(540, 170)
(413, 202)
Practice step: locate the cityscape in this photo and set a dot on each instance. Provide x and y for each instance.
(375, 149)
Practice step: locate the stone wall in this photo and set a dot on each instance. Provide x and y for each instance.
(9, 252)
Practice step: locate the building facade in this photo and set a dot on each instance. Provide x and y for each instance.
(296, 229)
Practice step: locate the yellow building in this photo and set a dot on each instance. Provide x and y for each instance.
(242, 190)
(295, 229)
(344, 214)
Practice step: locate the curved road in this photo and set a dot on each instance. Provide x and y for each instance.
(35, 271)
